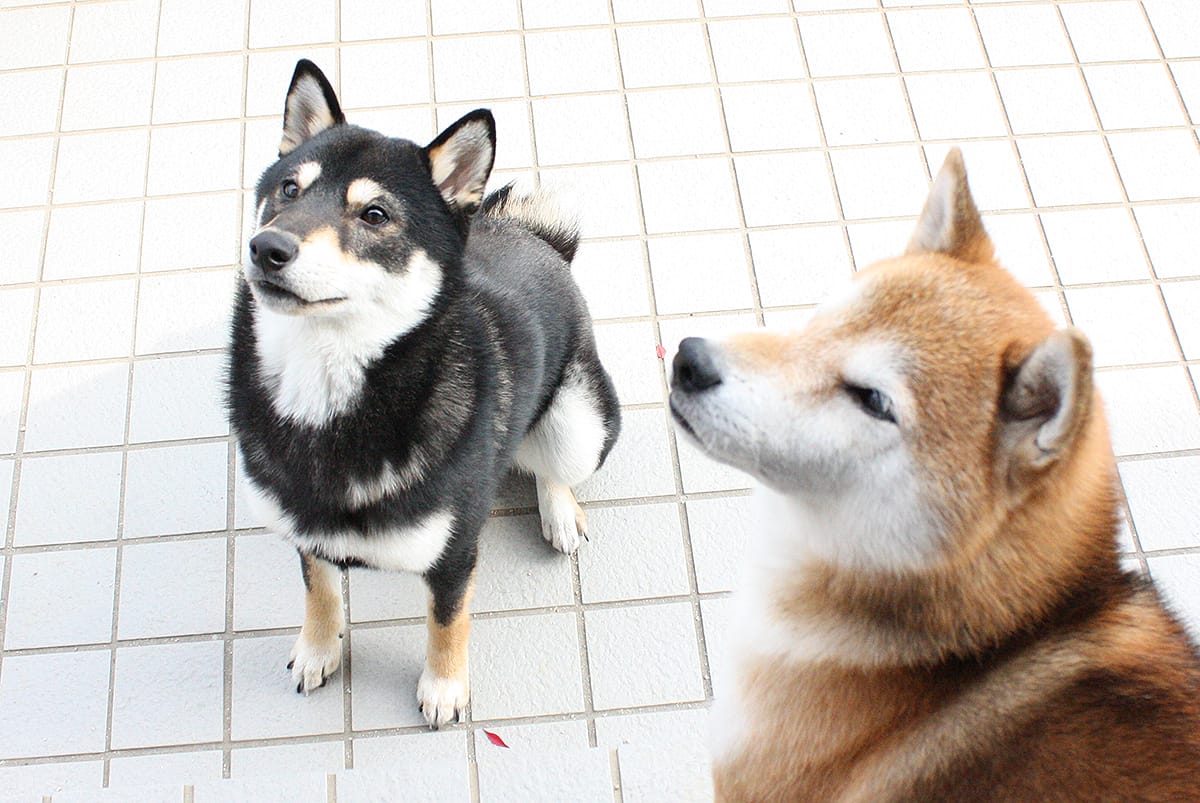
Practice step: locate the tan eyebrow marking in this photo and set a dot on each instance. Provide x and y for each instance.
(363, 191)
(307, 173)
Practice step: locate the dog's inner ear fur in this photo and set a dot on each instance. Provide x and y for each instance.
(461, 158)
(311, 107)
(950, 223)
(1046, 401)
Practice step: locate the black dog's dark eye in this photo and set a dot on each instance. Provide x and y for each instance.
(374, 216)
(289, 188)
(873, 402)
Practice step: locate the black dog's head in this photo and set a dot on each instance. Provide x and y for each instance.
(354, 223)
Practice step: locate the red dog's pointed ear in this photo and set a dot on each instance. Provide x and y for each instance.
(311, 107)
(461, 158)
(950, 223)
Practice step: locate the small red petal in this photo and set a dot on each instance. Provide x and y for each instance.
(494, 739)
(662, 352)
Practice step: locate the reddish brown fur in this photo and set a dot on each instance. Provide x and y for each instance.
(1025, 665)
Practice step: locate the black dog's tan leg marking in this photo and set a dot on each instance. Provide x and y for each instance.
(444, 688)
(318, 652)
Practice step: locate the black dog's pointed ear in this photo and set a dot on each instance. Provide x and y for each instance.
(311, 107)
(461, 158)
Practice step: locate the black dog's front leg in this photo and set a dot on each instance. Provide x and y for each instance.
(444, 688)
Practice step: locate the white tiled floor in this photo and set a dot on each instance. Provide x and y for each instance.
(732, 161)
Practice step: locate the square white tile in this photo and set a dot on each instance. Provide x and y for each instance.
(376, 596)
(1109, 31)
(1173, 22)
(457, 74)
(861, 176)
(655, 773)
(517, 569)
(308, 787)
(268, 74)
(195, 89)
(718, 624)
(1046, 100)
(108, 96)
(110, 231)
(366, 19)
(582, 775)
(676, 122)
(265, 702)
(287, 759)
(60, 598)
(612, 276)
(1021, 36)
(97, 167)
(1150, 409)
(209, 239)
(525, 666)
(172, 588)
(649, 10)
(178, 397)
(268, 590)
(756, 50)
(12, 392)
(642, 48)
(1127, 325)
(871, 242)
(23, 231)
(1134, 95)
(29, 101)
(862, 111)
(720, 532)
(168, 694)
(660, 183)
(1161, 498)
(33, 37)
(6, 483)
(700, 272)
(35, 780)
(184, 311)
(91, 483)
(701, 473)
(26, 178)
(643, 655)
(1020, 249)
(86, 321)
(1157, 164)
(799, 266)
(276, 23)
(76, 406)
(1069, 170)
(955, 105)
(164, 768)
(637, 552)
(846, 44)
(1178, 577)
(1171, 233)
(935, 39)
(588, 128)
(364, 65)
(628, 352)
(1186, 76)
(475, 16)
(770, 117)
(109, 31)
(16, 325)
(387, 663)
(590, 54)
(736, 8)
(606, 195)
(54, 704)
(185, 28)
(1095, 245)
(176, 489)
(196, 158)
(1183, 299)
(556, 14)
(781, 189)
(418, 749)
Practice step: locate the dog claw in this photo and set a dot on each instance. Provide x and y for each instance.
(291, 664)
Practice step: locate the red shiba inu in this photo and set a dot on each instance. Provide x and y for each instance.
(933, 608)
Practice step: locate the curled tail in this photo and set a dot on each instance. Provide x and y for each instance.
(538, 212)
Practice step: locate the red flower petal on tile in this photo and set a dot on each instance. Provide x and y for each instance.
(662, 352)
(494, 739)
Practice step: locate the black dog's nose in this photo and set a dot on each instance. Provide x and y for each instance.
(272, 250)
(694, 369)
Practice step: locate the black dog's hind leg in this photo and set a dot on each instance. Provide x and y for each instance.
(318, 652)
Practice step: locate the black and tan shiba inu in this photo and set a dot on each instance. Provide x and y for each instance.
(399, 342)
(933, 607)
